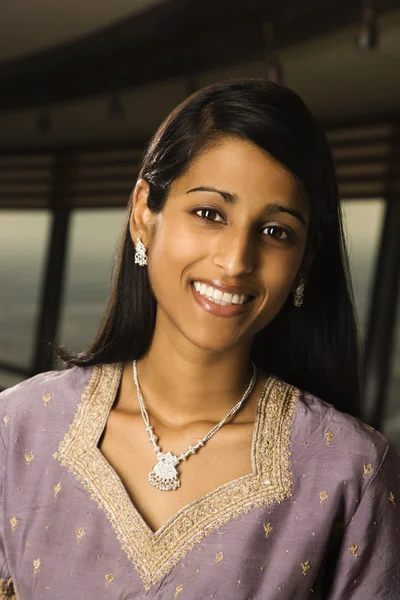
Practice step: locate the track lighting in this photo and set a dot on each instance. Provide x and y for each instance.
(44, 122)
(368, 35)
(273, 66)
(116, 109)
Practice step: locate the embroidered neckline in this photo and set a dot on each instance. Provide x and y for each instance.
(154, 554)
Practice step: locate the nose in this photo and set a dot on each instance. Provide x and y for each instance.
(235, 253)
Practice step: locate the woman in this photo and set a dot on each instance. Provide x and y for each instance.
(206, 445)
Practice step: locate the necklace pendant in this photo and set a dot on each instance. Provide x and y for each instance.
(164, 475)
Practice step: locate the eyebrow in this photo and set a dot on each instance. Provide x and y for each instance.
(271, 209)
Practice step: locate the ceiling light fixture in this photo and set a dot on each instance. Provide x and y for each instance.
(368, 35)
(116, 109)
(44, 122)
(273, 66)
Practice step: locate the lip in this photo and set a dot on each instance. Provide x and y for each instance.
(229, 289)
(218, 310)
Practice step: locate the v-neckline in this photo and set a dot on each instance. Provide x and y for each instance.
(155, 553)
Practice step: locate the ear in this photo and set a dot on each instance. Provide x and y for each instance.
(141, 218)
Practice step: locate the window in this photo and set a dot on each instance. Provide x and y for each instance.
(93, 239)
(363, 220)
(23, 244)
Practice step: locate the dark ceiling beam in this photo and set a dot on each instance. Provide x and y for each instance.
(174, 39)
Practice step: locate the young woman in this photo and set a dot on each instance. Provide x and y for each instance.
(207, 444)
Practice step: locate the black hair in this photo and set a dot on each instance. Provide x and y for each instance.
(315, 347)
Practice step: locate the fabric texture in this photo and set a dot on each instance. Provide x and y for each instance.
(317, 519)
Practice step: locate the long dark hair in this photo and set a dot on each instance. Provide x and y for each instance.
(315, 347)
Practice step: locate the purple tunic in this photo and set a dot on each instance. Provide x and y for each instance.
(318, 518)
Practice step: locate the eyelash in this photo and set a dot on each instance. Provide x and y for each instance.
(290, 236)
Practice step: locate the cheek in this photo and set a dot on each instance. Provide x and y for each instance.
(280, 273)
(174, 244)
(173, 250)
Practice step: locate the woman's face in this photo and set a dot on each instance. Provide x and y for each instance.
(235, 222)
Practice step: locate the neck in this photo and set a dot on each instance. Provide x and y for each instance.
(180, 387)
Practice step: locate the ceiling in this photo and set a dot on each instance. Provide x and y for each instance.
(47, 23)
(321, 62)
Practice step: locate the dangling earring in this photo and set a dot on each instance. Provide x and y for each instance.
(298, 296)
(140, 253)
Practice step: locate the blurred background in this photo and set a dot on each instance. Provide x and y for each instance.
(85, 84)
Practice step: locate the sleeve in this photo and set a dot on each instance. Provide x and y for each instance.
(6, 584)
(368, 564)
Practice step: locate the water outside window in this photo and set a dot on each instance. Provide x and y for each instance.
(23, 245)
(93, 239)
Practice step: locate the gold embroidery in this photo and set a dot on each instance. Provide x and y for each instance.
(13, 522)
(322, 497)
(178, 590)
(46, 398)
(218, 557)
(267, 528)
(353, 549)
(7, 591)
(79, 534)
(392, 498)
(57, 489)
(367, 470)
(305, 566)
(154, 554)
(29, 456)
(329, 437)
(6, 418)
(109, 578)
(36, 566)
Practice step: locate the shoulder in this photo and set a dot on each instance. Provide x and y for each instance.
(321, 421)
(44, 398)
(343, 444)
(326, 441)
(44, 384)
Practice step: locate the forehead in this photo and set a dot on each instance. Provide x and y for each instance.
(242, 168)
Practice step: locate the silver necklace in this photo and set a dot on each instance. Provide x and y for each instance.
(164, 475)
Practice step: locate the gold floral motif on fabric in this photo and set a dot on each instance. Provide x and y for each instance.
(155, 554)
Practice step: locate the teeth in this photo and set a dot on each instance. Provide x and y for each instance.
(222, 298)
(217, 295)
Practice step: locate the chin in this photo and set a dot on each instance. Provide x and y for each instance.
(212, 343)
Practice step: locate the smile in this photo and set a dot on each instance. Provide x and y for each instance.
(218, 297)
(217, 306)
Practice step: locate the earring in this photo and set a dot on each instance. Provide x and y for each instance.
(298, 296)
(140, 253)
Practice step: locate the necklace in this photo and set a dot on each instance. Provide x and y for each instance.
(164, 475)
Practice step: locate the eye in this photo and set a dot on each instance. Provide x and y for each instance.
(279, 233)
(209, 214)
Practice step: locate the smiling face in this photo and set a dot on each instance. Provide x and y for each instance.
(237, 222)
